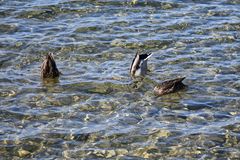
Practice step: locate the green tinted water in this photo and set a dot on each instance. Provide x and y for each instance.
(96, 110)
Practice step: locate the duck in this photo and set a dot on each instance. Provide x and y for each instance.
(49, 68)
(169, 86)
(139, 64)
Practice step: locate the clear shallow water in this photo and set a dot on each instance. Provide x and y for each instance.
(96, 110)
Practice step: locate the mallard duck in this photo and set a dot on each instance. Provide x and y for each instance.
(49, 68)
(139, 64)
(169, 86)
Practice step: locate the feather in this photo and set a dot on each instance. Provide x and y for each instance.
(169, 86)
(49, 68)
(139, 64)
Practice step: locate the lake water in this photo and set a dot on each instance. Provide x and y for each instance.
(95, 110)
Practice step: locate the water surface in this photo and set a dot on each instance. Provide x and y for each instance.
(95, 110)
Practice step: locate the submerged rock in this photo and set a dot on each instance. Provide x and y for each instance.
(23, 153)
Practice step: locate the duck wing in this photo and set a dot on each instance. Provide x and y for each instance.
(170, 86)
(135, 64)
(170, 83)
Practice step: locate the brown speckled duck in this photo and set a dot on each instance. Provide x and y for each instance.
(49, 68)
(169, 86)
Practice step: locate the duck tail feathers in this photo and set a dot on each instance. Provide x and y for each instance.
(148, 56)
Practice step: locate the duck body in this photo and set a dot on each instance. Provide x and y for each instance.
(139, 64)
(49, 68)
(169, 86)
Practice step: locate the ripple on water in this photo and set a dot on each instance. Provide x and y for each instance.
(95, 110)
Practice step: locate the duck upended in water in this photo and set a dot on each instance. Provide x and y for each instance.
(49, 68)
(139, 64)
(169, 86)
